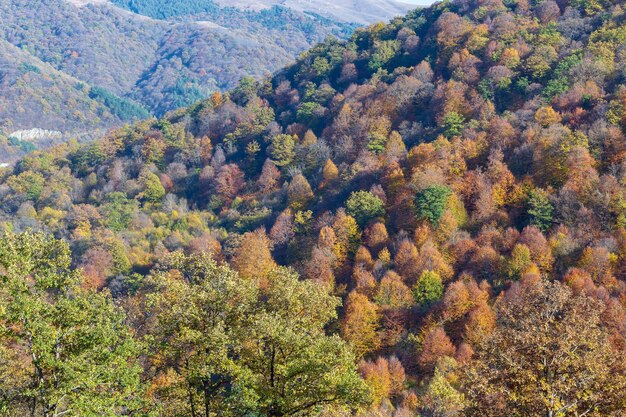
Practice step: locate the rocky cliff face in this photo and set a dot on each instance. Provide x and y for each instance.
(35, 134)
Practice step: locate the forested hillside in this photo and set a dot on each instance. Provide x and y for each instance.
(427, 219)
(159, 65)
(33, 90)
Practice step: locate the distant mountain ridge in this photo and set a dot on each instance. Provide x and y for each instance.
(362, 11)
(350, 11)
(158, 54)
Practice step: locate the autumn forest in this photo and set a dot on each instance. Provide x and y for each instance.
(427, 219)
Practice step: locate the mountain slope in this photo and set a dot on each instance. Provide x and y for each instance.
(196, 60)
(32, 89)
(457, 177)
(162, 64)
(63, 105)
(94, 43)
(360, 11)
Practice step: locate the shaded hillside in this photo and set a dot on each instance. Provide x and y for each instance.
(361, 11)
(94, 43)
(161, 64)
(34, 90)
(456, 177)
(35, 95)
(196, 60)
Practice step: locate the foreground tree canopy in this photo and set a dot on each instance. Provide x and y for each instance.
(65, 350)
(217, 344)
(549, 356)
(427, 219)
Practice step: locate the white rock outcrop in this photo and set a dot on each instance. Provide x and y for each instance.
(35, 134)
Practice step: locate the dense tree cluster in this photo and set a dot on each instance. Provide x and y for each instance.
(446, 190)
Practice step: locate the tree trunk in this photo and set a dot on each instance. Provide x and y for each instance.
(207, 398)
(192, 403)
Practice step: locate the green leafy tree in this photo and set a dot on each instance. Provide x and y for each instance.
(282, 150)
(118, 211)
(453, 124)
(309, 112)
(384, 52)
(87, 157)
(321, 66)
(377, 142)
(520, 260)
(293, 367)
(153, 189)
(235, 346)
(201, 310)
(29, 183)
(540, 209)
(430, 203)
(364, 206)
(245, 91)
(428, 288)
(63, 350)
(541, 61)
(442, 397)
